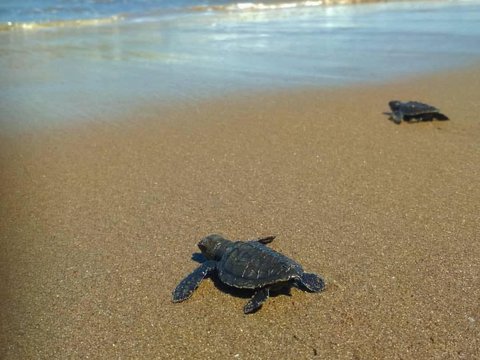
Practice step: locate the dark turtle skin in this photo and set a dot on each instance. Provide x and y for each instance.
(247, 265)
(411, 110)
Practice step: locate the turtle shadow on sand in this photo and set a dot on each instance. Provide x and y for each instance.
(410, 120)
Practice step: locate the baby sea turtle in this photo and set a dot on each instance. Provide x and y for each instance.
(247, 265)
(414, 110)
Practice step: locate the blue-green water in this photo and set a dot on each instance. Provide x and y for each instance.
(36, 11)
(66, 65)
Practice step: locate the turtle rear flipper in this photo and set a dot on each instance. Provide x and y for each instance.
(188, 285)
(440, 116)
(257, 300)
(312, 282)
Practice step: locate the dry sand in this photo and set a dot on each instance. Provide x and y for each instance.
(99, 222)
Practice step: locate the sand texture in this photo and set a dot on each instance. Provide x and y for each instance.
(99, 223)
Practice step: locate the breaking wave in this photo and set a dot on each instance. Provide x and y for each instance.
(158, 12)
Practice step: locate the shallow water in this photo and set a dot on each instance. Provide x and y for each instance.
(64, 71)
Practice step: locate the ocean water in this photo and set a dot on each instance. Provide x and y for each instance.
(92, 59)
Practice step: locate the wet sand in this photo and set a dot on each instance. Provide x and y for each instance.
(99, 222)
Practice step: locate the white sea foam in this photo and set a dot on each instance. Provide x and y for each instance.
(60, 23)
(245, 6)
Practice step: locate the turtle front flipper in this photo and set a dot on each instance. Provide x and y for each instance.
(257, 300)
(397, 116)
(264, 240)
(312, 282)
(188, 285)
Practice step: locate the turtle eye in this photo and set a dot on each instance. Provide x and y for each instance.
(202, 247)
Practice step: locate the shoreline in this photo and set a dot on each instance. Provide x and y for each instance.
(170, 110)
(99, 222)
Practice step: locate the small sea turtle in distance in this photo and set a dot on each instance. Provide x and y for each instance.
(414, 110)
(247, 265)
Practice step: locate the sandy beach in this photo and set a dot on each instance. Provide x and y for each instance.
(99, 221)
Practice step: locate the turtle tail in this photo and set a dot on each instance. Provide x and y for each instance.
(312, 282)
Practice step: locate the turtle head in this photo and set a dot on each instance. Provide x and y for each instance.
(394, 104)
(213, 246)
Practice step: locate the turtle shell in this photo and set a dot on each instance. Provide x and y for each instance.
(413, 108)
(253, 265)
